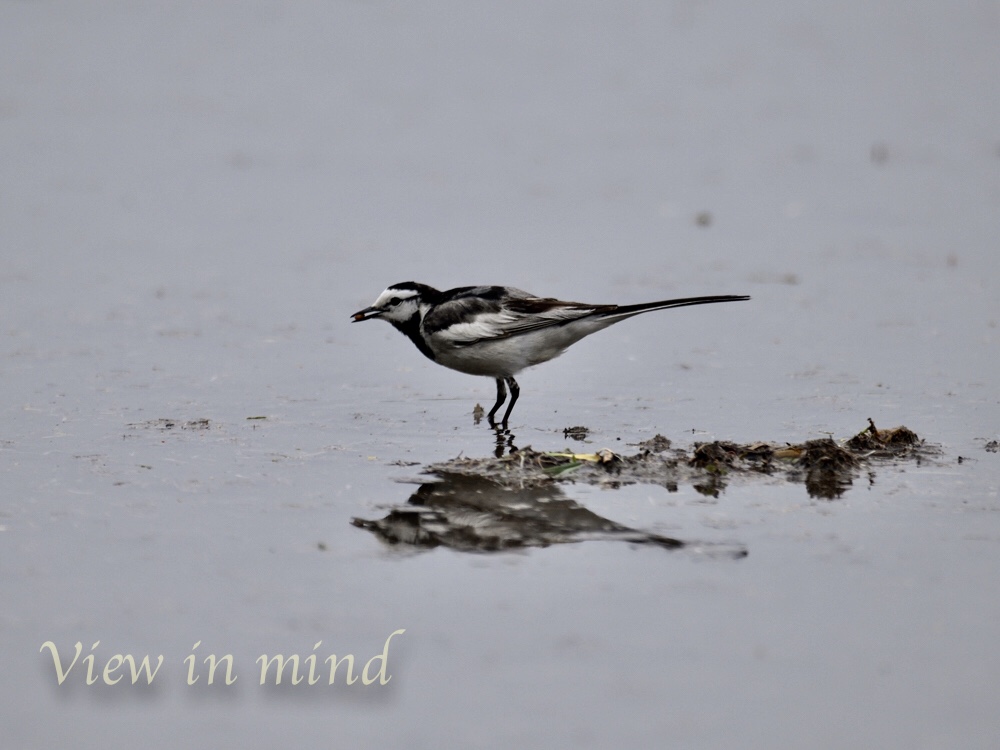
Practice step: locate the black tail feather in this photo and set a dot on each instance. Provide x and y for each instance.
(623, 311)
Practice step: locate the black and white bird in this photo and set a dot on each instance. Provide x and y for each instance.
(497, 331)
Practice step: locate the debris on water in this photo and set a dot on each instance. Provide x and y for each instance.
(578, 432)
(656, 444)
(714, 456)
(601, 457)
(514, 500)
(885, 443)
(170, 424)
(826, 467)
(478, 412)
(992, 447)
(720, 456)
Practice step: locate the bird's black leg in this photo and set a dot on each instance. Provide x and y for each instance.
(515, 391)
(501, 397)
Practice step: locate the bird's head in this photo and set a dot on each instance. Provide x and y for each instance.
(397, 304)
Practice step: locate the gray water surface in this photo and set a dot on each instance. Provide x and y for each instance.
(193, 200)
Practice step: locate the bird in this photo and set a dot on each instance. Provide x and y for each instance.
(498, 331)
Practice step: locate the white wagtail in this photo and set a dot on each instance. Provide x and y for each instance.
(497, 331)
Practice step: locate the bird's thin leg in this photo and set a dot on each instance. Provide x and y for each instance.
(501, 397)
(515, 391)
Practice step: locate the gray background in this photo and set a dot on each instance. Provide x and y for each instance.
(195, 196)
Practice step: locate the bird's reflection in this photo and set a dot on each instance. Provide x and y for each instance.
(504, 441)
(475, 514)
(504, 438)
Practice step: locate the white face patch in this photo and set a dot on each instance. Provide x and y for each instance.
(397, 305)
(385, 299)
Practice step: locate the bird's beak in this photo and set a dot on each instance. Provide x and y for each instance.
(367, 314)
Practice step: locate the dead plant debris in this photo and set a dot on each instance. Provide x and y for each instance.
(656, 444)
(516, 500)
(826, 467)
(883, 443)
(171, 424)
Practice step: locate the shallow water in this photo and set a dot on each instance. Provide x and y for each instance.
(195, 202)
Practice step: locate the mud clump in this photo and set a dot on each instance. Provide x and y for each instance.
(713, 456)
(656, 444)
(889, 443)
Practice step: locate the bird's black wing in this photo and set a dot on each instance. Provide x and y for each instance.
(474, 318)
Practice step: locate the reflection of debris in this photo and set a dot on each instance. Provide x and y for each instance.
(576, 433)
(827, 468)
(170, 424)
(477, 413)
(476, 514)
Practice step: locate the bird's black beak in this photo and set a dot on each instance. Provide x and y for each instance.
(367, 314)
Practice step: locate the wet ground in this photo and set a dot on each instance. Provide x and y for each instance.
(691, 534)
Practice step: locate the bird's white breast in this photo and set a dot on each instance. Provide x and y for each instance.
(505, 356)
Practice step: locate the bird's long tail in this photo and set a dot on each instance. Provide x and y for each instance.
(626, 311)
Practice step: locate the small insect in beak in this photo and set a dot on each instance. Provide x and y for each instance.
(366, 314)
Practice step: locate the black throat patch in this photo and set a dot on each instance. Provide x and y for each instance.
(411, 329)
